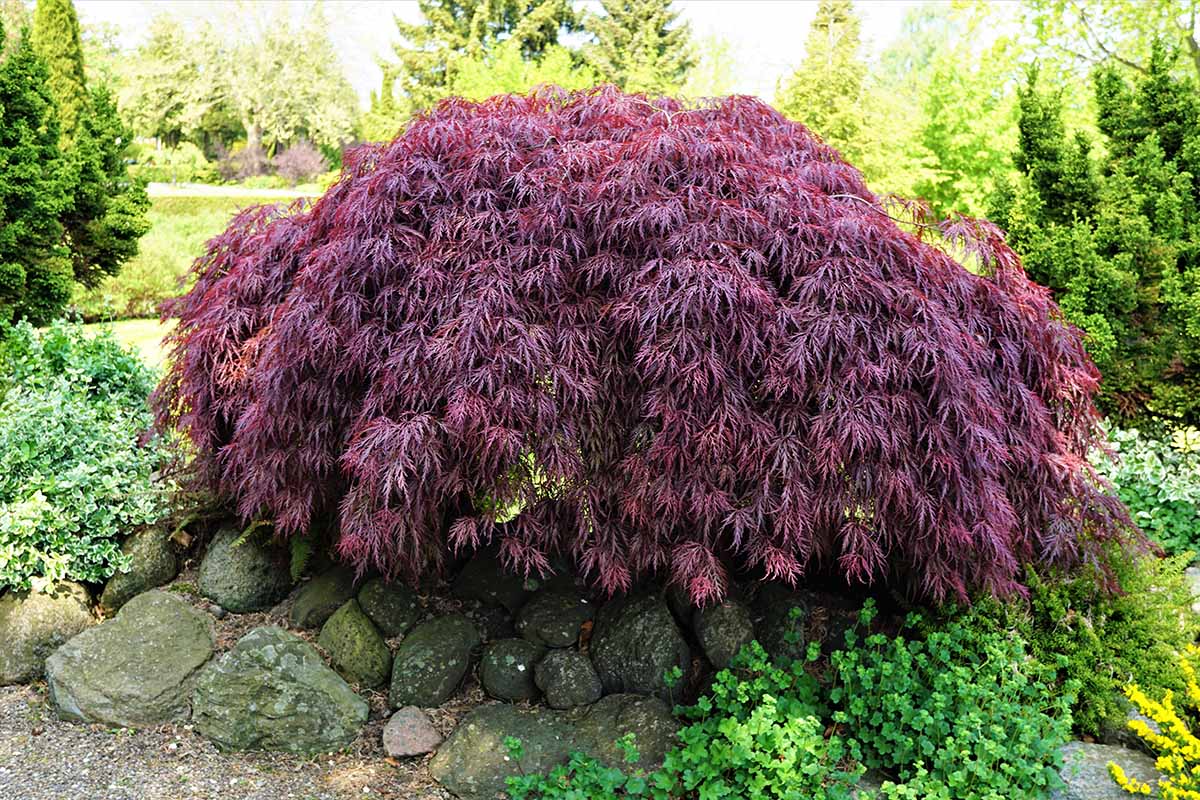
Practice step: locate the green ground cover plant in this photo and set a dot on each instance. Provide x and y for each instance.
(76, 472)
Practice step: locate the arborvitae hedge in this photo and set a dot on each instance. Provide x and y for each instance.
(671, 338)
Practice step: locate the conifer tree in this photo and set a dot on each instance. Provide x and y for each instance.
(56, 40)
(640, 46)
(35, 275)
(457, 29)
(826, 92)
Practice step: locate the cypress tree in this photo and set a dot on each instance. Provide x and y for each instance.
(56, 40)
(35, 275)
(640, 46)
(825, 93)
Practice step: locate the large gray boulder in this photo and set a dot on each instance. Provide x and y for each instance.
(393, 607)
(474, 762)
(242, 577)
(152, 563)
(135, 670)
(318, 599)
(432, 661)
(356, 647)
(33, 624)
(635, 644)
(273, 691)
(554, 618)
(722, 630)
(1085, 771)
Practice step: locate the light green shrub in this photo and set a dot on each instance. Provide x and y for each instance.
(75, 475)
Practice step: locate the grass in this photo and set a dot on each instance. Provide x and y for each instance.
(179, 227)
(143, 335)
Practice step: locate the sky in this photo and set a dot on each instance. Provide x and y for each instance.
(766, 37)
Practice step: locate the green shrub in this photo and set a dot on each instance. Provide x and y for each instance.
(960, 713)
(1105, 639)
(74, 476)
(183, 164)
(1158, 478)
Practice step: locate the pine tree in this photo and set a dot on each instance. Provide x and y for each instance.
(640, 46)
(456, 29)
(826, 92)
(56, 40)
(35, 275)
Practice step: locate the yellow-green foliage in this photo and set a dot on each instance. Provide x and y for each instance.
(1175, 741)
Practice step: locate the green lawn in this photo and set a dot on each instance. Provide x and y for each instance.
(144, 335)
(180, 225)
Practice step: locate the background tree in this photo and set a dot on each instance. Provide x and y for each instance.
(504, 69)
(714, 70)
(56, 40)
(640, 46)
(35, 273)
(826, 92)
(1119, 241)
(453, 31)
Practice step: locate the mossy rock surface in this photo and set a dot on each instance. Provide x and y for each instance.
(722, 630)
(635, 643)
(273, 691)
(1085, 771)
(393, 607)
(506, 669)
(318, 599)
(243, 576)
(33, 624)
(484, 579)
(432, 661)
(153, 563)
(567, 679)
(135, 670)
(554, 618)
(355, 647)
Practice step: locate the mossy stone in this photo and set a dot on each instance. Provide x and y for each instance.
(356, 647)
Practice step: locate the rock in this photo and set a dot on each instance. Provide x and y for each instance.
(244, 578)
(568, 679)
(152, 564)
(1116, 730)
(869, 785)
(506, 669)
(137, 669)
(722, 630)
(34, 623)
(495, 622)
(635, 643)
(781, 620)
(553, 618)
(474, 762)
(391, 606)
(484, 579)
(318, 599)
(432, 660)
(599, 726)
(356, 647)
(1193, 577)
(410, 733)
(273, 691)
(1085, 771)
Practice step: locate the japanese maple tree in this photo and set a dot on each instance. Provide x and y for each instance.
(668, 339)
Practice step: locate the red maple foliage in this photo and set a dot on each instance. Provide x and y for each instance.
(678, 338)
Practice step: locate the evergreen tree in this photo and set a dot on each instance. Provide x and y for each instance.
(454, 30)
(35, 274)
(56, 40)
(1119, 242)
(826, 92)
(640, 46)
